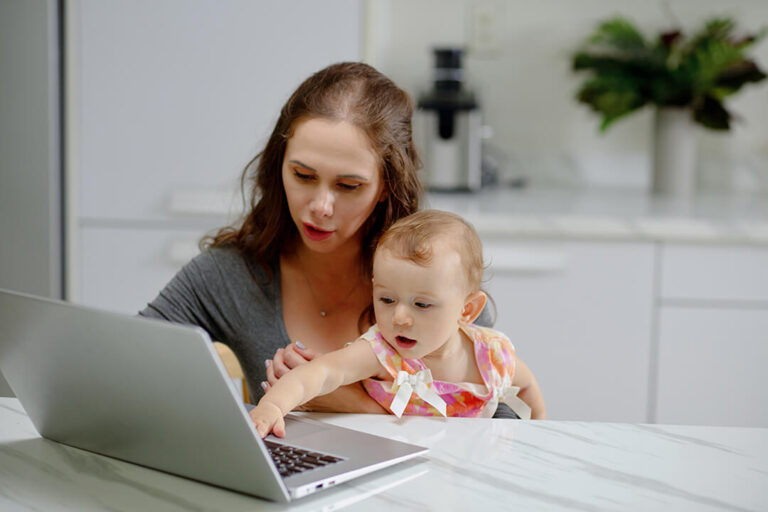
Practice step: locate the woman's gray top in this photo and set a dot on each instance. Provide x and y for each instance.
(234, 301)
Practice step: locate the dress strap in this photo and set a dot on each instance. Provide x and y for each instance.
(494, 354)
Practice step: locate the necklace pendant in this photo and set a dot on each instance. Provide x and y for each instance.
(323, 313)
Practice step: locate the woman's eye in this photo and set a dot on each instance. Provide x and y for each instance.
(303, 176)
(348, 186)
(422, 305)
(386, 300)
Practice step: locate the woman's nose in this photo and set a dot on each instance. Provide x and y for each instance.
(402, 318)
(322, 203)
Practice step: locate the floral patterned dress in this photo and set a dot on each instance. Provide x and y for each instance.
(494, 355)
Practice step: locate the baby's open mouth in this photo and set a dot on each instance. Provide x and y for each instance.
(405, 342)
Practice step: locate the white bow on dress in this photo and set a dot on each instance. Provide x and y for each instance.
(420, 383)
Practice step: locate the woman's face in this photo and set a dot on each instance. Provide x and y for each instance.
(332, 182)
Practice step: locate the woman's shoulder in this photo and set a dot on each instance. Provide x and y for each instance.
(229, 261)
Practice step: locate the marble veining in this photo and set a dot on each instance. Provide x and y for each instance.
(472, 464)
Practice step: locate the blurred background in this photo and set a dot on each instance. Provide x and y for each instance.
(124, 127)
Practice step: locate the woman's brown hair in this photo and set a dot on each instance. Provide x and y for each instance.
(347, 91)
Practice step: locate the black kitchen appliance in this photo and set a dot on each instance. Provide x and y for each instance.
(449, 134)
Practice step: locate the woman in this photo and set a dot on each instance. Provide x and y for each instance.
(338, 169)
(293, 279)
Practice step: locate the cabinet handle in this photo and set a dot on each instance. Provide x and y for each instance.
(528, 262)
(201, 202)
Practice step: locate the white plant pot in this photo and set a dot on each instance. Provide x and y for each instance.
(674, 153)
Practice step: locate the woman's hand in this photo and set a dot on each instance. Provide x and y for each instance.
(285, 359)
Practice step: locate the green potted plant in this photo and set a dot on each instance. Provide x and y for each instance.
(687, 79)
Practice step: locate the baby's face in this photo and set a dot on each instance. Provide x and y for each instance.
(418, 307)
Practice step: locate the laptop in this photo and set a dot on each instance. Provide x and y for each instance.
(156, 394)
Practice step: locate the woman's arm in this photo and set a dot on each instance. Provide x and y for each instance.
(318, 377)
(530, 393)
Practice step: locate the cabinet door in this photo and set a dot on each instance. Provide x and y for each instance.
(712, 366)
(711, 273)
(124, 269)
(580, 316)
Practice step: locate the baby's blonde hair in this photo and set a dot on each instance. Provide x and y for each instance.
(413, 238)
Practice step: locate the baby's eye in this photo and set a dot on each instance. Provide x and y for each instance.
(386, 300)
(422, 305)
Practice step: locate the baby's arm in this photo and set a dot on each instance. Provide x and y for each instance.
(318, 377)
(530, 393)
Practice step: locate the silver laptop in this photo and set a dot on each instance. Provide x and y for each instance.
(156, 394)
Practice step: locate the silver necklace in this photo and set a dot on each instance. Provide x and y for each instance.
(324, 312)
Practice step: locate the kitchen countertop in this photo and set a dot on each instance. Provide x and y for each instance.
(473, 464)
(610, 215)
(587, 214)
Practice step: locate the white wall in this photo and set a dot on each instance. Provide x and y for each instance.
(167, 102)
(527, 88)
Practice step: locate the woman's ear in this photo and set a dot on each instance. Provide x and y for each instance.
(473, 305)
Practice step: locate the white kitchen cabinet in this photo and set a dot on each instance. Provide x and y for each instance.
(711, 367)
(580, 315)
(714, 273)
(713, 335)
(123, 269)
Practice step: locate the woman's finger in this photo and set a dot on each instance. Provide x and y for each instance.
(307, 353)
(278, 363)
(271, 379)
(292, 357)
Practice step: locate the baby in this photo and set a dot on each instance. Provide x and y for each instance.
(423, 356)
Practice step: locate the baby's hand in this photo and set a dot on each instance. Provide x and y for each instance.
(268, 418)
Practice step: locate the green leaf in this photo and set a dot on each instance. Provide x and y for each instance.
(711, 113)
(743, 72)
(619, 33)
(613, 96)
(625, 72)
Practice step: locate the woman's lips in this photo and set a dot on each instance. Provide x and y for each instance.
(316, 234)
(404, 342)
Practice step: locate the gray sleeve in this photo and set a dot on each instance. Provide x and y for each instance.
(233, 301)
(191, 297)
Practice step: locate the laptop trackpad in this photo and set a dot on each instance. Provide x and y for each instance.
(298, 428)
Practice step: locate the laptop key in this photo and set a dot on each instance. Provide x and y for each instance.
(291, 460)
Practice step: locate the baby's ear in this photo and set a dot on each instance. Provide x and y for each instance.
(473, 305)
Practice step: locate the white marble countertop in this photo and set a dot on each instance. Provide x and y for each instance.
(611, 215)
(473, 464)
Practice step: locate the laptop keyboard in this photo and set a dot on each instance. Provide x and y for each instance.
(291, 460)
